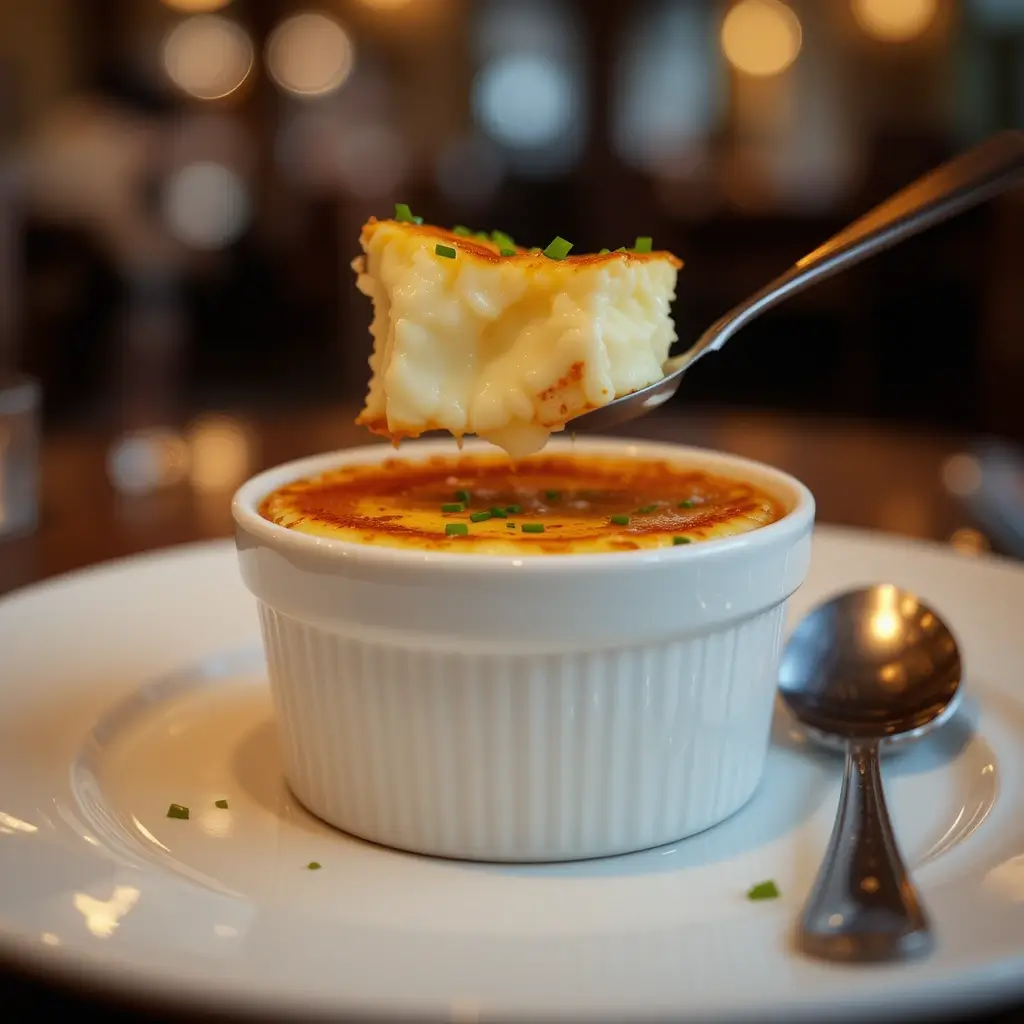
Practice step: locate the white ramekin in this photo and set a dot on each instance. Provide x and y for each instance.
(524, 709)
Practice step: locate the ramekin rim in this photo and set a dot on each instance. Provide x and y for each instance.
(245, 502)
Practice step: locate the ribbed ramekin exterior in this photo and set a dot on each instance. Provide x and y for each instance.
(523, 757)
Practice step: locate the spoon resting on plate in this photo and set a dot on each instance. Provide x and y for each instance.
(971, 178)
(868, 668)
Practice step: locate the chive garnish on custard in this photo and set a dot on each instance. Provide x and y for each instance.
(532, 527)
(178, 811)
(680, 540)
(643, 243)
(222, 804)
(505, 251)
(498, 512)
(313, 865)
(764, 891)
(463, 496)
(553, 495)
(604, 252)
(447, 251)
(405, 216)
(686, 504)
(619, 520)
(480, 517)
(503, 241)
(462, 231)
(513, 509)
(455, 529)
(646, 510)
(558, 248)
(453, 506)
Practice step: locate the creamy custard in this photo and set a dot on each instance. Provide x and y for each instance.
(504, 342)
(545, 504)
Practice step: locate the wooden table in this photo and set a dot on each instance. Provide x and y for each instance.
(862, 475)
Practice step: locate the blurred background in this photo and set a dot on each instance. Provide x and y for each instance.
(182, 184)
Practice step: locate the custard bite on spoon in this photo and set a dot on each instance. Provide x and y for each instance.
(474, 334)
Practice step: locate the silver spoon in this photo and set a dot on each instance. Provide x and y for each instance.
(869, 668)
(969, 179)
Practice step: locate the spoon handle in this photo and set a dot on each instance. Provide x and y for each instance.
(969, 179)
(864, 907)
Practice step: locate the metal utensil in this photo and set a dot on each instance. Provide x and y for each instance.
(869, 667)
(969, 179)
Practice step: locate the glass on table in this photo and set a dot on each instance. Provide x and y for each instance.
(19, 455)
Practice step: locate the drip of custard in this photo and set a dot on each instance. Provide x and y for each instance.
(545, 504)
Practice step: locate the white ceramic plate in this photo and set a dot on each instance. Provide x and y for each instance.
(140, 683)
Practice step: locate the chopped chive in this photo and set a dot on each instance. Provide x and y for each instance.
(447, 251)
(553, 495)
(313, 865)
(536, 248)
(506, 252)
(686, 504)
(680, 540)
(178, 811)
(499, 238)
(604, 252)
(643, 243)
(646, 510)
(764, 891)
(498, 512)
(480, 517)
(558, 248)
(513, 509)
(453, 506)
(463, 496)
(619, 520)
(532, 527)
(510, 526)
(462, 231)
(455, 529)
(417, 220)
(621, 248)
(403, 214)
(222, 804)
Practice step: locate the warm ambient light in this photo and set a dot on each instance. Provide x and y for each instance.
(310, 55)
(207, 56)
(386, 5)
(197, 6)
(894, 21)
(761, 37)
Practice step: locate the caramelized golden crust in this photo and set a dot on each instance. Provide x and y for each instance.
(487, 252)
(578, 499)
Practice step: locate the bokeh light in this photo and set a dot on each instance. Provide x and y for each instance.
(895, 21)
(207, 56)
(310, 54)
(668, 93)
(143, 461)
(969, 541)
(196, 6)
(221, 453)
(761, 37)
(206, 205)
(525, 99)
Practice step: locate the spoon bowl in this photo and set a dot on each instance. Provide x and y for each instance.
(871, 664)
(868, 668)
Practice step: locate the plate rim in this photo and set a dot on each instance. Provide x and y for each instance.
(979, 985)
